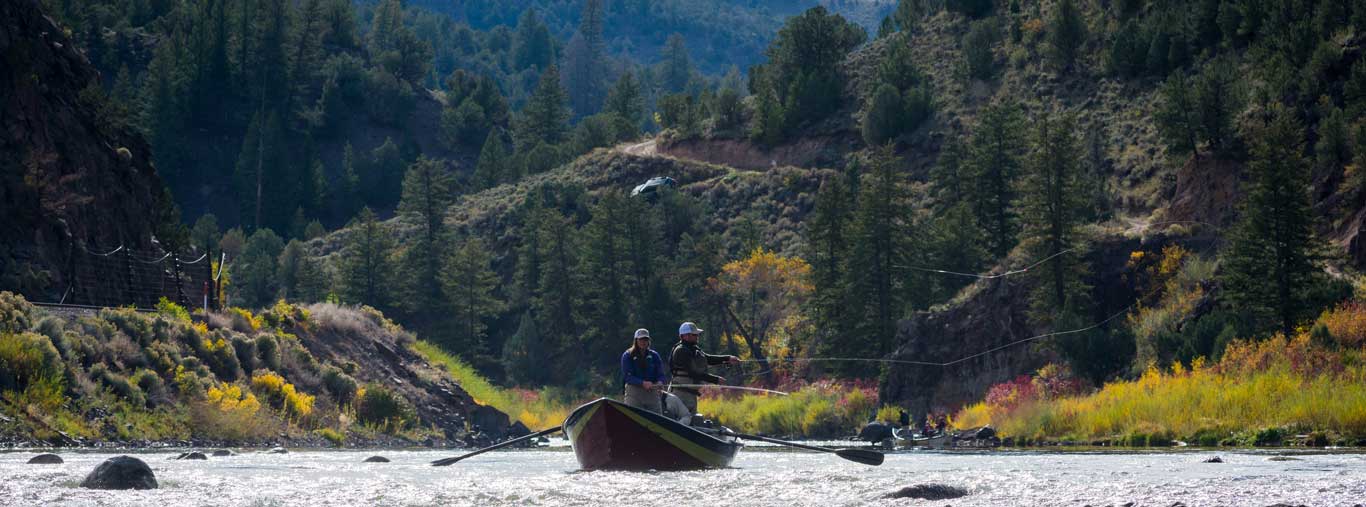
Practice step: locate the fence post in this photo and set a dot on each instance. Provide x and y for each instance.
(128, 294)
(179, 287)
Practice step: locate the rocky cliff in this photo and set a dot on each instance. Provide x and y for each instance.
(71, 173)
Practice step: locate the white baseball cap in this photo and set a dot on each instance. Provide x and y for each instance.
(642, 333)
(689, 328)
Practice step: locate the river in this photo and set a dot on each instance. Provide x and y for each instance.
(761, 476)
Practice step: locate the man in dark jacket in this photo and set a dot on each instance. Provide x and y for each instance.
(642, 373)
(688, 364)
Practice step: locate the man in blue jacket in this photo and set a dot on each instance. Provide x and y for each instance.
(642, 372)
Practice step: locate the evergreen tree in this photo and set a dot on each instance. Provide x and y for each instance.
(545, 116)
(585, 61)
(1177, 117)
(828, 250)
(676, 67)
(1333, 150)
(947, 177)
(1052, 206)
(261, 166)
(558, 303)
(884, 119)
(1271, 264)
(626, 101)
(299, 277)
(606, 267)
(908, 14)
(1066, 34)
(804, 62)
(382, 178)
(205, 232)
(768, 119)
(339, 18)
(1219, 99)
(492, 168)
(524, 354)
(532, 45)
(993, 163)
(470, 283)
(427, 190)
(981, 62)
(254, 273)
(881, 239)
(365, 272)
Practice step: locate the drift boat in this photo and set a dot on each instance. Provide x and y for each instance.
(609, 435)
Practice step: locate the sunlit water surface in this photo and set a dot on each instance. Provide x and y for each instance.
(761, 476)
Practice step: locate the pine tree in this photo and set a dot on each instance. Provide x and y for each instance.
(260, 169)
(427, 190)
(768, 119)
(908, 14)
(1271, 263)
(947, 177)
(626, 101)
(878, 247)
(557, 305)
(585, 61)
(828, 250)
(288, 270)
(993, 163)
(1052, 205)
(470, 283)
(340, 20)
(676, 67)
(1333, 150)
(545, 117)
(884, 119)
(254, 273)
(532, 45)
(977, 53)
(365, 272)
(493, 168)
(606, 267)
(1066, 34)
(525, 358)
(1218, 100)
(1177, 116)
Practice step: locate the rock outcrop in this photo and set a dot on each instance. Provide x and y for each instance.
(46, 459)
(121, 472)
(72, 173)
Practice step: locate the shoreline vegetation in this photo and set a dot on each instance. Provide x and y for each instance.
(1306, 390)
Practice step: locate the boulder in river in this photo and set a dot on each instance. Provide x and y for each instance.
(194, 456)
(279, 450)
(121, 472)
(1215, 459)
(377, 459)
(45, 459)
(222, 453)
(930, 492)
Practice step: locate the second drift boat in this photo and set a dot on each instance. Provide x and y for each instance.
(610, 435)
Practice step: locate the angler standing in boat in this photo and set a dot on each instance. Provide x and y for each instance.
(688, 364)
(642, 372)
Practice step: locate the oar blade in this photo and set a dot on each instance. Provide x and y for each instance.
(864, 456)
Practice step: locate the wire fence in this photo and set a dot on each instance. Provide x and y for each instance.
(124, 276)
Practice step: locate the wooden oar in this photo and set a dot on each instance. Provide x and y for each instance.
(864, 456)
(446, 461)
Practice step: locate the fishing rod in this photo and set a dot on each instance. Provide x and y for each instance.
(738, 388)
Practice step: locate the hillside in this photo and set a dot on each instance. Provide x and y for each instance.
(72, 175)
(316, 375)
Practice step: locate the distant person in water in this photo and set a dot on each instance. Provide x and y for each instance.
(642, 372)
(688, 365)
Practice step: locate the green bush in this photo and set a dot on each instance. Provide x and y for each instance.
(174, 311)
(27, 359)
(332, 436)
(268, 351)
(16, 314)
(1267, 437)
(378, 405)
(340, 385)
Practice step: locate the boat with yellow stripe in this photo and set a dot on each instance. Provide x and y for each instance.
(609, 435)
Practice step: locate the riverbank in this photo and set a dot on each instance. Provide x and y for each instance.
(1309, 389)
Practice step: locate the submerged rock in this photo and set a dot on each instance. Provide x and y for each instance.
(194, 456)
(278, 450)
(222, 453)
(121, 472)
(930, 492)
(377, 459)
(1283, 458)
(1215, 459)
(46, 459)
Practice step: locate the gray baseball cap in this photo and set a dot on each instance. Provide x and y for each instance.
(689, 328)
(642, 333)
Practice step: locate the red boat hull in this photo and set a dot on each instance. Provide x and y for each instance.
(609, 435)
